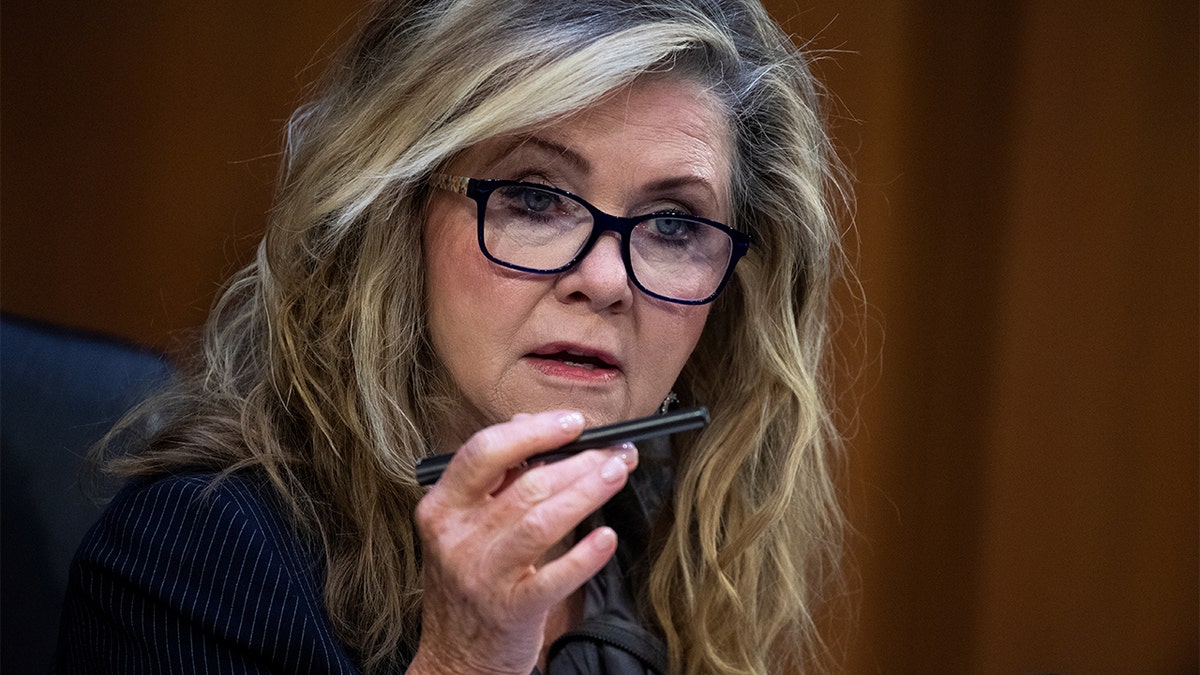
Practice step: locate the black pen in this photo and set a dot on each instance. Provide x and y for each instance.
(429, 469)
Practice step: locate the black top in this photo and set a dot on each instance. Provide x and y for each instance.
(176, 577)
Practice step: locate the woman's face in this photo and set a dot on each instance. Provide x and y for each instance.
(585, 339)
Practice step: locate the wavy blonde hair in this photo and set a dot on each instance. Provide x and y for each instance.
(317, 368)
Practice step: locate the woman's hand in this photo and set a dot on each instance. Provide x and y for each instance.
(486, 533)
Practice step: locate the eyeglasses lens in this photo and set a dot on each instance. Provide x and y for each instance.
(672, 256)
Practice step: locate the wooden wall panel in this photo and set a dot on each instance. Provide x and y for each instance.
(1024, 473)
(1089, 558)
(140, 144)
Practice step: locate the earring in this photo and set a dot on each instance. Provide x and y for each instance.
(668, 403)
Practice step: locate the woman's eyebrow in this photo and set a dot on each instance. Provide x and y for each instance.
(684, 182)
(580, 163)
(572, 157)
(681, 182)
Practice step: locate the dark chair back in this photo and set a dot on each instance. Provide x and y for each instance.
(60, 391)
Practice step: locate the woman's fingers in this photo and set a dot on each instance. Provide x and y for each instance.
(561, 576)
(548, 502)
(480, 464)
(534, 485)
(514, 528)
(487, 540)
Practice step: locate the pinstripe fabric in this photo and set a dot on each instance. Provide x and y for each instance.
(175, 578)
(180, 578)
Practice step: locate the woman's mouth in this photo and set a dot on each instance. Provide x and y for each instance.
(574, 363)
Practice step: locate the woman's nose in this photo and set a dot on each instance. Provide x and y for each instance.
(600, 278)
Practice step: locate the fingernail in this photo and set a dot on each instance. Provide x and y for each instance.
(614, 469)
(628, 454)
(571, 421)
(604, 539)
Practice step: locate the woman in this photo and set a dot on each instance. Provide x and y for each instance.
(444, 271)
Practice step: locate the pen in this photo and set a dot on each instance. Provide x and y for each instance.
(429, 469)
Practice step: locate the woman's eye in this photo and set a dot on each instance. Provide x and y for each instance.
(536, 200)
(671, 227)
(529, 199)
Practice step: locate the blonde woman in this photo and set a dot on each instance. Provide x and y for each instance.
(500, 223)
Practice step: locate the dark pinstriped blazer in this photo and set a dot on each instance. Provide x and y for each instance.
(177, 578)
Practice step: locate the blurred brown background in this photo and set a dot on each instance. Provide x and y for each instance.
(1023, 467)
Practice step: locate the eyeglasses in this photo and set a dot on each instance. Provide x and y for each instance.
(543, 230)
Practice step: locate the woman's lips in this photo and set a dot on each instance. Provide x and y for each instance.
(574, 362)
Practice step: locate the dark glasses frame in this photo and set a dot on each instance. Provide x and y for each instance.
(480, 189)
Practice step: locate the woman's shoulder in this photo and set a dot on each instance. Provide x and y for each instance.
(202, 560)
(201, 519)
(194, 502)
(195, 492)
